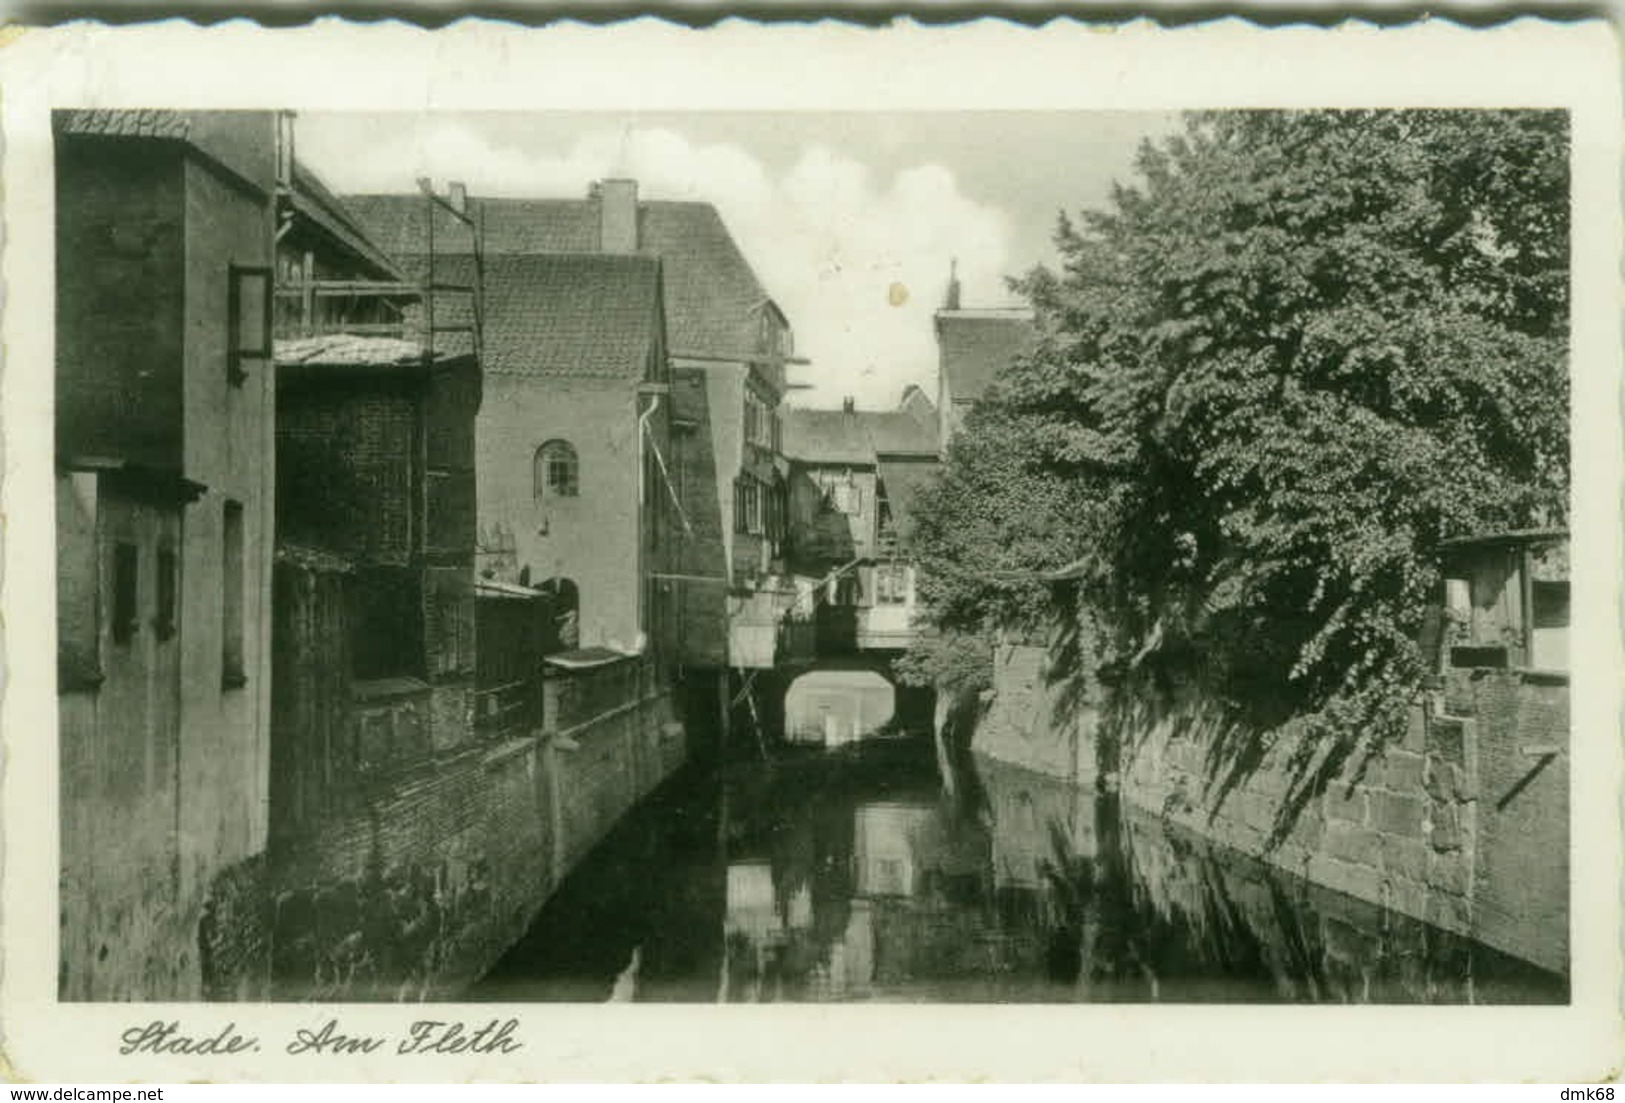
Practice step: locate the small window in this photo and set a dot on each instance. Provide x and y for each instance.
(558, 471)
(126, 568)
(891, 585)
(248, 307)
(748, 495)
(232, 674)
(164, 617)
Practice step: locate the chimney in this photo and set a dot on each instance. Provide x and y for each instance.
(284, 148)
(617, 216)
(849, 404)
(458, 197)
(952, 301)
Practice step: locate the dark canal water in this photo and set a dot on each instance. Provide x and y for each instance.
(855, 876)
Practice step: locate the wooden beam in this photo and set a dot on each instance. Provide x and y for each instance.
(332, 288)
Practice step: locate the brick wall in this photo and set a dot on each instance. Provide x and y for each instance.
(614, 737)
(345, 468)
(313, 735)
(418, 881)
(416, 886)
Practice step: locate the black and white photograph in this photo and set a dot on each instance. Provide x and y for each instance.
(545, 555)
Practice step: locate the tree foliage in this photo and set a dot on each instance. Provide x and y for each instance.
(1297, 352)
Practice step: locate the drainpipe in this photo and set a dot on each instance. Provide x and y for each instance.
(646, 601)
(643, 428)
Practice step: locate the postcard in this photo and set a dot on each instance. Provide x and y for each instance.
(781, 553)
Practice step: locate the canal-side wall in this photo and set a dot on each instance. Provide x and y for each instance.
(1034, 721)
(1462, 822)
(1313, 943)
(413, 885)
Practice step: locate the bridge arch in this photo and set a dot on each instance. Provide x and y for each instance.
(836, 706)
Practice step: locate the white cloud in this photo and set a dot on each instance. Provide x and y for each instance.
(828, 237)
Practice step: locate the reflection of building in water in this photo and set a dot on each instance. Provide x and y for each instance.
(914, 850)
(850, 969)
(752, 905)
(887, 840)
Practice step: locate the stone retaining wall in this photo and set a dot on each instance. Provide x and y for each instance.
(1462, 822)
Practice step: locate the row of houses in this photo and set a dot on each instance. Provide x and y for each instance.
(391, 530)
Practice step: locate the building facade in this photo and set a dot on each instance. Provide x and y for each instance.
(574, 447)
(853, 479)
(727, 345)
(164, 496)
(973, 346)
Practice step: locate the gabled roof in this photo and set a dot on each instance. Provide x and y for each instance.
(900, 432)
(976, 345)
(714, 301)
(828, 436)
(917, 402)
(312, 199)
(242, 143)
(124, 123)
(571, 316)
(855, 437)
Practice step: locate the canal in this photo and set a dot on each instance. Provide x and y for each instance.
(855, 875)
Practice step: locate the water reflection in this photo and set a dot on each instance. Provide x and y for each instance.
(853, 877)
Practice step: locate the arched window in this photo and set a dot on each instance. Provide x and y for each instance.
(558, 472)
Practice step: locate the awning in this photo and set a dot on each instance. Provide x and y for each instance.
(586, 658)
(507, 591)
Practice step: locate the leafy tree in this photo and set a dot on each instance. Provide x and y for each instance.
(1297, 352)
(990, 523)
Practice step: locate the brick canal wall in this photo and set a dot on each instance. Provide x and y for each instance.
(412, 886)
(1461, 823)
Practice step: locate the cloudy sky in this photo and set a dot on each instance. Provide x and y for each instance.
(850, 220)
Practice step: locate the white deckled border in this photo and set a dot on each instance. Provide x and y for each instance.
(986, 65)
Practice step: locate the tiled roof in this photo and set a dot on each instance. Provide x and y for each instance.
(124, 123)
(976, 345)
(899, 432)
(713, 298)
(857, 436)
(828, 436)
(564, 315)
